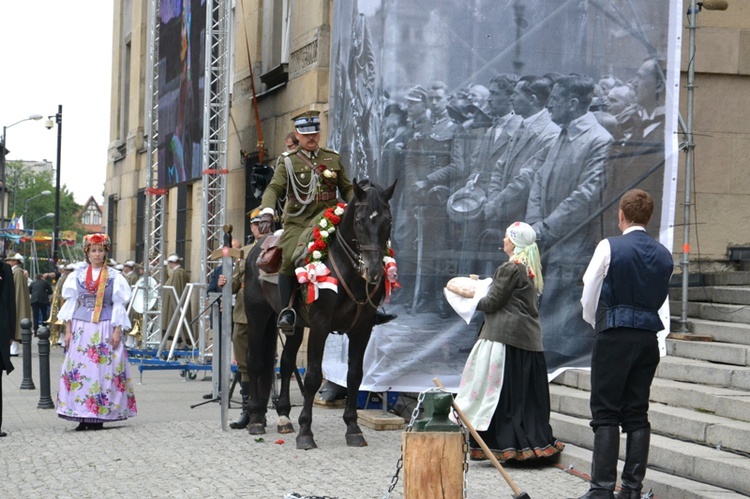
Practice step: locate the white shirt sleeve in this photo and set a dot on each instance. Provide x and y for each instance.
(593, 279)
(70, 294)
(120, 298)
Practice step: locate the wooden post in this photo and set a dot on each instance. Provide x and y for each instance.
(433, 464)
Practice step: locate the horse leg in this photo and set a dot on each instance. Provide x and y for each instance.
(313, 379)
(260, 367)
(357, 344)
(288, 365)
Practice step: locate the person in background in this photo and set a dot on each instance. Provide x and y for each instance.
(625, 285)
(504, 390)
(178, 280)
(7, 327)
(23, 299)
(291, 142)
(95, 385)
(57, 331)
(40, 290)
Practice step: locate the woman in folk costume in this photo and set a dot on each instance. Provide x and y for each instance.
(95, 385)
(504, 389)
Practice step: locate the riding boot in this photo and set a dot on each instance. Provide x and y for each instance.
(287, 317)
(244, 419)
(604, 463)
(383, 318)
(636, 459)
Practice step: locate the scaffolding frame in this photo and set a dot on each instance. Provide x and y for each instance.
(214, 161)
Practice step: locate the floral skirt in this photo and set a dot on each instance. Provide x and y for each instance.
(95, 384)
(519, 428)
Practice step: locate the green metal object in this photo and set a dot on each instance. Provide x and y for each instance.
(437, 407)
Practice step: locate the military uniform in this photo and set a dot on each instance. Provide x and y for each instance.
(296, 215)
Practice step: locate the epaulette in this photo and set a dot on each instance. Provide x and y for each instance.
(330, 150)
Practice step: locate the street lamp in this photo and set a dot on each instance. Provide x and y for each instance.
(56, 233)
(3, 152)
(46, 215)
(26, 203)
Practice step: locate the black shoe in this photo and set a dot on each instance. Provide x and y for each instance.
(286, 321)
(3, 434)
(383, 318)
(96, 426)
(81, 427)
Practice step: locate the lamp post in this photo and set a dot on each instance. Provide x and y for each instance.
(56, 233)
(26, 203)
(3, 152)
(46, 215)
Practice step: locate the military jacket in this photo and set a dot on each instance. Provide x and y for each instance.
(433, 153)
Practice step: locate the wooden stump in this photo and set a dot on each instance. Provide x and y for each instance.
(433, 464)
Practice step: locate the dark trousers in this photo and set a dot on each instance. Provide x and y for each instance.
(622, 367)
(40, 313)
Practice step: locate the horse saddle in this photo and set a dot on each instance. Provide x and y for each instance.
(269, 260)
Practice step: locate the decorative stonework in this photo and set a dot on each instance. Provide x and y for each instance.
(302, 59)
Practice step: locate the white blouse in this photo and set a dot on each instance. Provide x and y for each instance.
(120, 296)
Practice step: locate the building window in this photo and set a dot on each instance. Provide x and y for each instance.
(112, 221)
(275, 46)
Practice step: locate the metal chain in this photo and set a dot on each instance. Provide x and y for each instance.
(400, 462)
(465, 448)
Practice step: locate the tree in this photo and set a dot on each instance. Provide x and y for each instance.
(28, 183)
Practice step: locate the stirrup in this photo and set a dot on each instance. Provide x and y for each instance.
(287, 329)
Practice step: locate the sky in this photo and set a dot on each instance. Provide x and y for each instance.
(58, 52)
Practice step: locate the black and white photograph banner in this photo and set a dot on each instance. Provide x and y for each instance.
(488, 112)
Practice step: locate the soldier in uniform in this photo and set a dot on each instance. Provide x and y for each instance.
(57, 302)
(178, 279)
(311, 177)
(23, 299)
(129, 273)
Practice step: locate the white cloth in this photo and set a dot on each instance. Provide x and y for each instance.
(465, 307)
(594, 276)
(482, 383)
(120, 297)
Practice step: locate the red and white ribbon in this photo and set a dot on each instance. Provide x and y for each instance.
(317, 276)
(391, 275)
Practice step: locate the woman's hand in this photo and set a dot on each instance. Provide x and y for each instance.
(67, 339)
(116, 336)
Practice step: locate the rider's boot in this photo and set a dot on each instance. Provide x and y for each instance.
(287, 315)
(241, 422)
(383, 318)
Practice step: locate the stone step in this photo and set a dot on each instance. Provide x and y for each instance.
(733, 404)
(684, 424)
(725, 332)
(577, 459)
(677, 459)
(712, 351)
(713, 311)
(690, 370)
(737, 278)
(718, 294)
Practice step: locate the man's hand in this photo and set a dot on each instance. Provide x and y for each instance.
(421, 185)
(265, 226)
(222, 281)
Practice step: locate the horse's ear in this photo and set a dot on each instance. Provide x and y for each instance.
(359, 193)
(388, 193)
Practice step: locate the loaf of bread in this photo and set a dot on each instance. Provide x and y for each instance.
(463, 286)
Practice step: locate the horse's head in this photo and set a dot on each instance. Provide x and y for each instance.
(372, 226)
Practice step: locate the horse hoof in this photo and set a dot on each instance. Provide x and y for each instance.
(306, 443)
(285, 428)
(256, 429)
(356, 440)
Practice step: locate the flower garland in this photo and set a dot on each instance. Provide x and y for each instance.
(315, 273)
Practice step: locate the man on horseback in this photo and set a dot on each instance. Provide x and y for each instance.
(309, 177)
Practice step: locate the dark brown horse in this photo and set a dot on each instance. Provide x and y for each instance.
(355, 258)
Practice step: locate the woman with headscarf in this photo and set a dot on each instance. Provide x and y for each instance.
(95, 385)
(504, 390)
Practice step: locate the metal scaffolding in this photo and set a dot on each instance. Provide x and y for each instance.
(214, 163)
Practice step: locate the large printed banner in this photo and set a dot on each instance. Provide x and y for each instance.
(487, 112)
(181, 73)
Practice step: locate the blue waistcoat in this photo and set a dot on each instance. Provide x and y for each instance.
(85, 307)
(636, 285)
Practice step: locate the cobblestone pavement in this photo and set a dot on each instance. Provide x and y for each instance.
(170, 450)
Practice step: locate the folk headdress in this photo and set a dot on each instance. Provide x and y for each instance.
(99, 239)
(526, 251)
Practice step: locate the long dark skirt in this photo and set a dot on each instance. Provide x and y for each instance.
(520, 427)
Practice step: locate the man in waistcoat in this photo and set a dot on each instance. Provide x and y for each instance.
(624, 287)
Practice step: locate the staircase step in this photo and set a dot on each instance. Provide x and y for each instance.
(681, 423)
(737, 278)
(713, 311)
(719, 294)
(705, 373)
(733, 404)
(723, 353)
(725, 332)
(673, 457)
